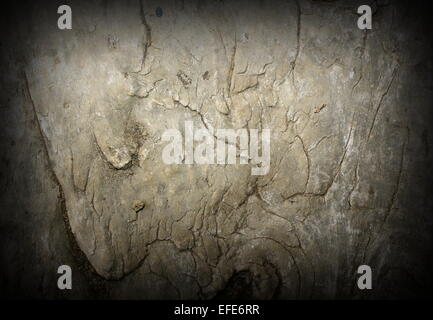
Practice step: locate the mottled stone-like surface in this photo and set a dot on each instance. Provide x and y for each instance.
(83, 182)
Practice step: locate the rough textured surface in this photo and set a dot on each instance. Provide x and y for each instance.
(83, 182)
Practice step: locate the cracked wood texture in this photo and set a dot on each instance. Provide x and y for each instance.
(83, 182)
